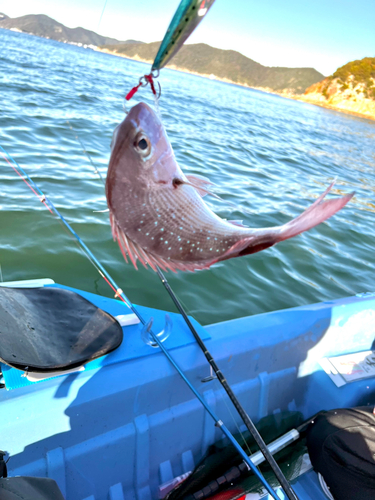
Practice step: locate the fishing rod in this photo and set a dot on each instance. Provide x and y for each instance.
(147, 325)
(223, 381)
(241, 411)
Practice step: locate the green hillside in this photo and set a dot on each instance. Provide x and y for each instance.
(357, 72)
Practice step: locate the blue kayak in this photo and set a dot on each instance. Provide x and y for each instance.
(124, 425)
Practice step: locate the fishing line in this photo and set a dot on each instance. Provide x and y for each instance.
(223, 398)
(85, 151)
(119, 293)
(101, 15)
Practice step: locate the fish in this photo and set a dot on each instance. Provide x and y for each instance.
(158, 215)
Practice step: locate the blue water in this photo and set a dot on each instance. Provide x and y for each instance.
(269, 155)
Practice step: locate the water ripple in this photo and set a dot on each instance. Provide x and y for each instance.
(270, 156)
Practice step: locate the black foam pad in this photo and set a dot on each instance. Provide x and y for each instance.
(48, 329)
(29, 488)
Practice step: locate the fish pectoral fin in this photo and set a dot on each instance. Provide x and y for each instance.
(261, 239)
(201, 184)
(199, 180)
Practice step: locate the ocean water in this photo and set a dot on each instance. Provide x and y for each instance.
(269, 155)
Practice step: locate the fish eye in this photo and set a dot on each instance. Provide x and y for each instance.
(142, 145)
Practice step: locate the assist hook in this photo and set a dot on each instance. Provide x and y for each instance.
(143, 82)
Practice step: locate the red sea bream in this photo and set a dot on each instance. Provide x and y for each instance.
(158, 215)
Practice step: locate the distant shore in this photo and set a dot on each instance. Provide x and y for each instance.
(342, 107)
(286, 93)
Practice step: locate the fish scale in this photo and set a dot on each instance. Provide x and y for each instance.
(158, 215)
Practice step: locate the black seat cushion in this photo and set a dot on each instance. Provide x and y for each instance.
(341, 445)
(51, 329)
(29, 488)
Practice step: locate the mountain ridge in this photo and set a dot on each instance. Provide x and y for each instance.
(46, 27)
(201, 59)
(226, 65)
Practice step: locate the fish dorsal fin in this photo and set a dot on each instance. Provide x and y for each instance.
(237, 223)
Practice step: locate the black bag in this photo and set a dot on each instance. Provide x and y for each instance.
(341, 445)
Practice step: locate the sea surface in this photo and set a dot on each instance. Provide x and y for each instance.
(269, 155)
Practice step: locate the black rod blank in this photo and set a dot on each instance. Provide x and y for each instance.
(244, 416)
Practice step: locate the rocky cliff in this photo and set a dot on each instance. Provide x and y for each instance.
(351, 88)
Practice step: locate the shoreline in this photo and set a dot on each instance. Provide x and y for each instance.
(286, 94)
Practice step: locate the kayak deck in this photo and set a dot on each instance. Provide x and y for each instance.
(129, 424)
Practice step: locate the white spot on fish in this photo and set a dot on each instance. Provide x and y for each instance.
(180, 248)
(162, 229)
(210, 249)
(208, 237)
(156, 223)
(169, 248)
(162, 239)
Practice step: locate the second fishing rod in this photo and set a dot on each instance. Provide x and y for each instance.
(147, 325)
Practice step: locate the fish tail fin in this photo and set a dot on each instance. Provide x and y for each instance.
(261, 239)
(318, 212)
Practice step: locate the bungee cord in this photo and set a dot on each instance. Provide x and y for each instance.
(120, 294)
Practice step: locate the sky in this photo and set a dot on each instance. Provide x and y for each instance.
(324, 34)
